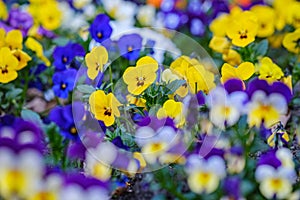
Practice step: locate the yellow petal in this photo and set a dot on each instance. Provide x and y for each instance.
(228, 72)
(245, 70)
(14, 39)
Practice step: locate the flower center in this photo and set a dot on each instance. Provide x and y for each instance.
(129, 48)
(140, 81)
(4, 69)
(276, 184)
(63, 86)
(297, 43)
(65, 59)
(73, 130)
(204, 177)
(243, 34)
(107, 111)
(99, 35)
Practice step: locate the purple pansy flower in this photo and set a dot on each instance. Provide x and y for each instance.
(63, 117)
(130, 46)
(269, 158)
(20, 20)
(77, 149)
(63, 82)
(64, 55)
(17, 134)
(100, 28)
(232, 187)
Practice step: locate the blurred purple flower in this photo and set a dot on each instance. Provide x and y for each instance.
(18, 19)
(130, 46)
(269, 158)
(63, 82)
(232, 187)
(276, 87)
(18, 134)
(63, 55)
(63, 117)
(100, 28)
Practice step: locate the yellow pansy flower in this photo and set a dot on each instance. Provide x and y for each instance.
(3, 10)
(173, 110)
(168, 76)
(50, 16)
(266, 20)
(219, 44)
(293, 14)
(197, 77)
(242, 29)
(232, 57)
(95, 61)
(139, 78)
(292, 41)
(35, 46)
(218, 24)
(140, 102)
(275, 40)
(22, 57)
(243, 72)
(269, 71)
(13, 39)
(46, 13)
(8, 65)
(104, 107)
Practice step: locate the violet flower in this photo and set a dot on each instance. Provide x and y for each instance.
(130, 46)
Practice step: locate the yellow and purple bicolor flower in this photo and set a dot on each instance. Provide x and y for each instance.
(204, 175)
(225, 109)
(267, 102)
(276, 174)
(160, 141)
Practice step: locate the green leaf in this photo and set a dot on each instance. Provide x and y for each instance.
(174, 85)
(86, 89)
(261, 48)
(12, 94)
(31, 116)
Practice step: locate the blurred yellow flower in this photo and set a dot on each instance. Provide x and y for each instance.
(219, 44)
(3, 10)
(168, 76)
(197, 77)
(8, 66)
(232, 57)
(13, 39)
(173, 110)
(291, 41)
(35, 46)
(269, 71)
(266, 20)
(22, 57)
(95, 61)
(104, 107)
(139, 102)
(242, 29)
(46, 13)
(293, 14)
(218, 24)
(139, 78)
(243, 72)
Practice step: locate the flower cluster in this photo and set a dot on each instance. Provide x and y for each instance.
(106, 100)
